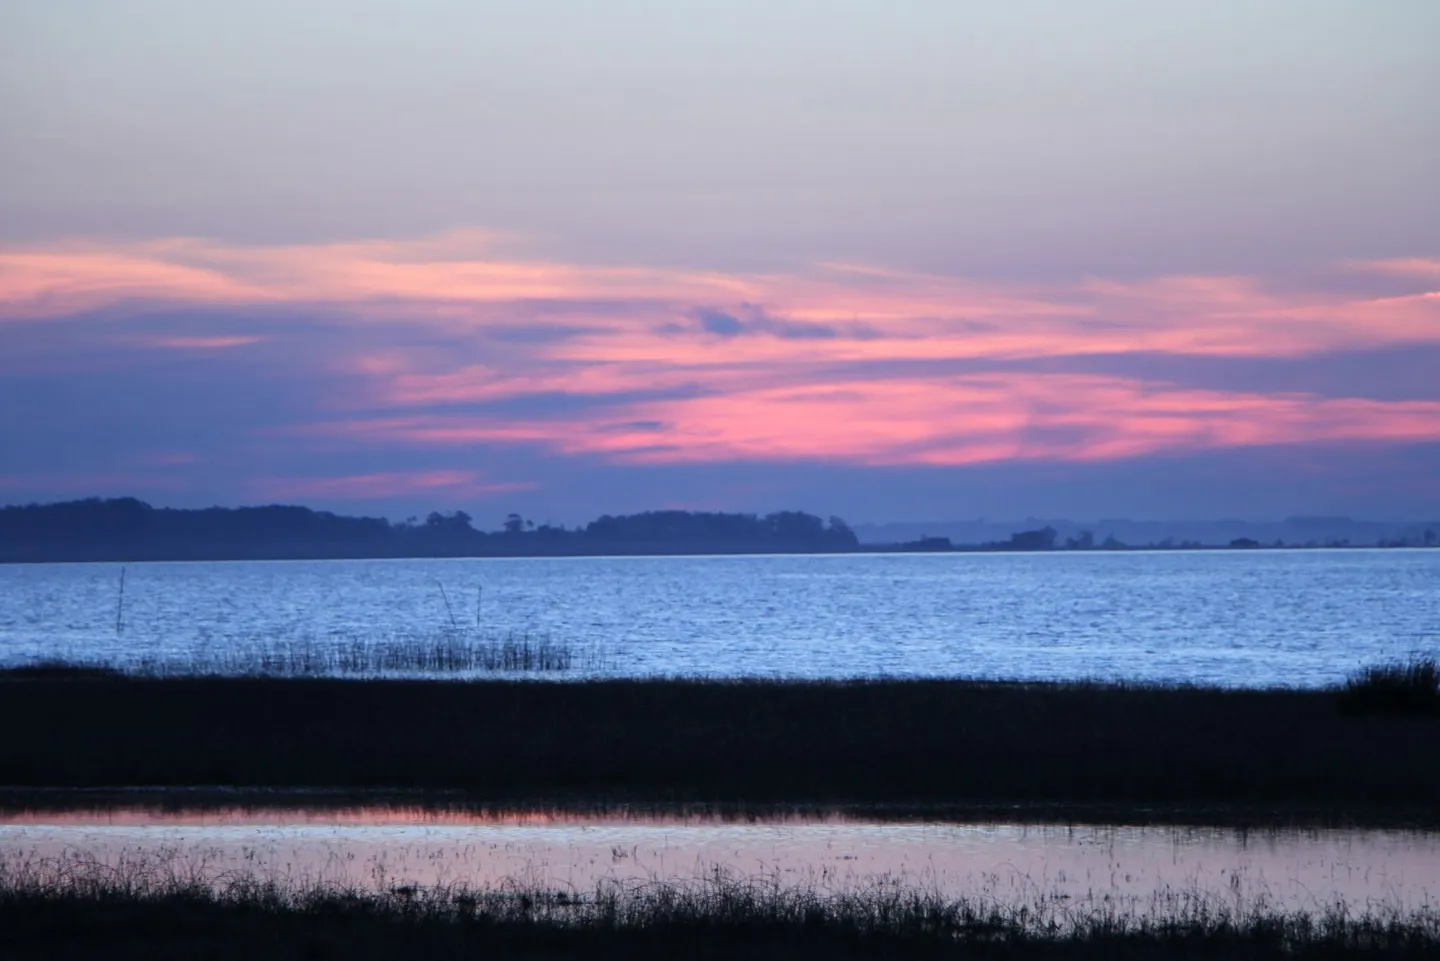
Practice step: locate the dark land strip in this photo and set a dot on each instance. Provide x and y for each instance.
(126, 530)
(1119, 753)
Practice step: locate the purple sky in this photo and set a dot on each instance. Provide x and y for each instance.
(896, 261)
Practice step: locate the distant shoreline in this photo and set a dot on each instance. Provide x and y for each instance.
(127, 530)
(867, 549)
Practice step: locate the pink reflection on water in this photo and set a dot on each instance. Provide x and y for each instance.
(389, 815)
(381, 846)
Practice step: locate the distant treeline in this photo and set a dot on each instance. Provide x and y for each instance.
(1048, 539)
(1033, 533)
(126, 529)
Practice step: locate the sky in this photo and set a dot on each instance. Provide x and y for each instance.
(901, 260)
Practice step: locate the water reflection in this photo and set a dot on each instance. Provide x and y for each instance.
(382, 846)
(385, 815)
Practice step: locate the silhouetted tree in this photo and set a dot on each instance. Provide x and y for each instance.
(130, 529)
(1041, 540)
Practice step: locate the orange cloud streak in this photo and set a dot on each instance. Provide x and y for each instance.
(449, 279)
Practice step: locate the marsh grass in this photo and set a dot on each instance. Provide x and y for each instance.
(443, 653)
(1271, 754)
(58, 670)
(60, 907)
(1400, 688)
(448, 653)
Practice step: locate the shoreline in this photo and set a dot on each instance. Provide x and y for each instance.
(862, 551)
(36, 804)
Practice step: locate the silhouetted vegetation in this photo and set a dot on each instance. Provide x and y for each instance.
(126, 529)
(55, 669)
(131, 530)
(448, 652)
(1037, 540)
(70, 908)
(1401, 688)
(1311, 532)
(1063, 747)
(927, 544)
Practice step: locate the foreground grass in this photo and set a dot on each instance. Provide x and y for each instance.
(1407, 688)
(70, 909)
(1122, 752)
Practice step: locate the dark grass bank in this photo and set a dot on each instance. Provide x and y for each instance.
(1141, 749)
(728, 919)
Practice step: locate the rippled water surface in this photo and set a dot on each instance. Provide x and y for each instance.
(1273, 617)
(380, 849)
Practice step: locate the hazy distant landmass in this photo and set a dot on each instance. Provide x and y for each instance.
(1290, 532)
(127, 529)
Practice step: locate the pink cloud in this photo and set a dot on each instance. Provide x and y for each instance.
(47, 280)
(961, 420)
(219, 342)
(461, 281)
(824, 364)
(73, 278)
(1422, 267)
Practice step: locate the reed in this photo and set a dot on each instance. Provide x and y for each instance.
(71, 906)
(1401, 688)
(451, 652)
(54, 669)
(446, 653)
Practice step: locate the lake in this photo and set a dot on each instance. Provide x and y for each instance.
(1126, 869)
(1222, 617)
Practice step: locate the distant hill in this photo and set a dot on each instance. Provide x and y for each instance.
(126, 529)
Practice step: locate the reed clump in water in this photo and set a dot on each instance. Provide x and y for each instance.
(449, 652)
(1401, 688)
(443, 654)
(71, 907)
